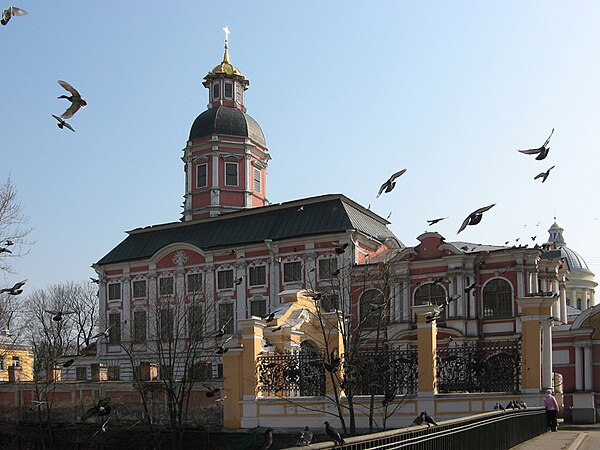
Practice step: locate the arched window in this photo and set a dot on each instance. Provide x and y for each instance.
(372, 308)
(497, 299)
(431, 294)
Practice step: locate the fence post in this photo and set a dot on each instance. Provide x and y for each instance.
(427, 361)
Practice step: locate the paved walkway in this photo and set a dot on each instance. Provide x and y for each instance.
(568, 437)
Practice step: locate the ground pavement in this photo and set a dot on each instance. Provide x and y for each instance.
(568, 437)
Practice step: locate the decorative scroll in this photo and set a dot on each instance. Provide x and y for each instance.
(479, 367)
(297, 374)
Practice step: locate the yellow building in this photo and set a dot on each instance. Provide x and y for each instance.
(16, 359)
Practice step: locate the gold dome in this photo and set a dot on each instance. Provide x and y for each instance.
(225, 68)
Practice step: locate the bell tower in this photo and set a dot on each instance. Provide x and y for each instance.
(226, 156)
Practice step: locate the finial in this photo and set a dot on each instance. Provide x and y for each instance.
(226, 55)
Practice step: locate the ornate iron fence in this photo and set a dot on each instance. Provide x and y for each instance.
(381, 372)
(479, 367)
(291, 374)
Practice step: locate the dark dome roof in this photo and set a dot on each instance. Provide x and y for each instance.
(226, 120)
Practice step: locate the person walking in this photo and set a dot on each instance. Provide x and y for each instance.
(551, 409)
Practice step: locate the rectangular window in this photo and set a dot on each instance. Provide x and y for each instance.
(292, 271)
(257, 275)
(226, 317)
(228, 90)
(330, 301)
(2, 363)
(114, 373)
(139, 327)
(258, 307)
(139, 289)
(216, 91)
(225, 279)
(16, 360)
(81, 373)
(114, 291)
(194, 283)
(327, 267)
(165, 286)
(195, 323)
(166, 324)
(114, 334)
(200, 371)
(201, 175)
(231, 174)
(256, 180)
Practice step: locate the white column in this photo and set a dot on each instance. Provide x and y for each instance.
(574, 297)
(473, 301)
(563, 302)
(588, 382)
(578, 368)
(547, 353)
(406, 303)
(460, 290)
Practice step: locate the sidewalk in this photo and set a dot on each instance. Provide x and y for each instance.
(568, 437)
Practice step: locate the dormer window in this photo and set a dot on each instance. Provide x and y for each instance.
(216, 91)
(228, 90)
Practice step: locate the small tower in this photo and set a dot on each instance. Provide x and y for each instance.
(226, 156)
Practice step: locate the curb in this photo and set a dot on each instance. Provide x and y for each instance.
(578, 441)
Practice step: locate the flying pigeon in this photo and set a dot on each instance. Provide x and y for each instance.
(333, 434)
(62, 123)
(475, 217)
(15, 290)
(105, 333)
(75, 98)
(10, 12)
(541, 152)
(211, 390)
(101, 409)
(390, 183)
(334, 363)
(543, 175)
(341, 248)
(434, 221)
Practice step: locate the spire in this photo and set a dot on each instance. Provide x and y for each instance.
(226, 55)
(556, 235)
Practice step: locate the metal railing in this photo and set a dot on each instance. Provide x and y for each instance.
(489, 431)
(291, 375)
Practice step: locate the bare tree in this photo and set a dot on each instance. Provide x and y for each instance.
(13, 227)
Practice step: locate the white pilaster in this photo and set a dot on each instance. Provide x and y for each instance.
(588, 381)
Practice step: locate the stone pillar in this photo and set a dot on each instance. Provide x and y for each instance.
(588, 368)
(578, 368)
(536, 310)
(547, 353)
(252, 337)
(232, 388)
(426, 341)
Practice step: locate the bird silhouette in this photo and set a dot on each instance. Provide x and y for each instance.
(434, 221)
(239, 280)
(267, 440)
(305, 437)
(211, 390)
(75, 98)
(333, 364)
(10, 12)
(269, 317)
(499, 407)
(63, 123)
(333, 434)
(68, 362)
(4, 250)
(101, 409)
(341, 248)
(543, 175)
(105, 333)
(8, 243)
(470, 287)
(541, 152)
(390, 183)
(221, 349)
(389, 397)
(15, 290)
(418, 420)
(221, 331)
(475, 217)
(428, 419)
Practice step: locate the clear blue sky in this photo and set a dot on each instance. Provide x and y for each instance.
(346, 93)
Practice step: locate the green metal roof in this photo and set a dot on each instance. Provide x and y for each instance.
(321, 215)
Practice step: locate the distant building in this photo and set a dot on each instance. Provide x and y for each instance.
(16, 359)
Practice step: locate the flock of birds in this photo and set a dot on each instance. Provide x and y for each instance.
(475, 217)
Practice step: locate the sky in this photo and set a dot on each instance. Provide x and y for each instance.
(346, 93)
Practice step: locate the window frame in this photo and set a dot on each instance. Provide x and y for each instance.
(139, 335)
(228, 84)
(285, 273)
(133, 289)
(490, 299)
(256, 270)
(262, 310)
(114, 321)
(325, 268)
(110, 291)
(227, 284)
(166, 333)
(205, 176)
(189, 285)
(194, 311)
(216, 91)
(160, 286)
(257, 180)
(237, 173)
(366, 317)
(227, 321)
